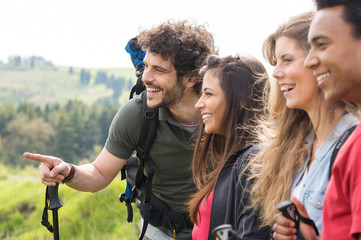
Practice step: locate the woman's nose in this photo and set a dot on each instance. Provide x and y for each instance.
(277, 73)
(199, 104)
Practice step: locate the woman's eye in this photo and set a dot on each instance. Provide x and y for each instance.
(287, 60)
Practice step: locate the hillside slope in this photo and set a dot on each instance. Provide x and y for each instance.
(57, 86)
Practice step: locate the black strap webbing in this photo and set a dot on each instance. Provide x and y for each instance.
(138, 88)
(309, 222)
(147, 136)
(339, 143)
(44, 219)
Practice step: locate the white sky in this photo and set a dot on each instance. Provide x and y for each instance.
(93, 33)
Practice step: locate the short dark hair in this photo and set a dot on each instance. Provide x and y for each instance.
(351, 12)
(187, 45)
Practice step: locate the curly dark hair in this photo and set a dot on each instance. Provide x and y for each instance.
(185, 44)
(351, 12)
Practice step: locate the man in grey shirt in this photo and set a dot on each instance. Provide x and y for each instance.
(175, 53)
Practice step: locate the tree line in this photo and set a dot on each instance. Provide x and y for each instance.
(17, 62)
(117, 84)
(74, 132)
(112, 82)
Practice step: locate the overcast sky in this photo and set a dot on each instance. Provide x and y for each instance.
(93, 33)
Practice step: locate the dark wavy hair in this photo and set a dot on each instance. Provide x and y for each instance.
(351, 12)
(185, 44)
(242, 80)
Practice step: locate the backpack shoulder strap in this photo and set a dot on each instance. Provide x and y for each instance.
(150, 122)
(339, 143)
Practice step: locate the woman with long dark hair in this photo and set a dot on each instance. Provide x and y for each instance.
(232, 91)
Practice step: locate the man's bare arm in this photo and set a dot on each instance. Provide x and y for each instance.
(89, 177)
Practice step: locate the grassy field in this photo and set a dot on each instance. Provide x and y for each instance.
(90, 216)
(56, 86)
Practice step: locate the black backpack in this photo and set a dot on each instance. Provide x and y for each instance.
(139, 187)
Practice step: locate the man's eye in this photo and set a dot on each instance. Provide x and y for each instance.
(320, 44)
(160, 70)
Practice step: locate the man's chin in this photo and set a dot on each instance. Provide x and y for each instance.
(153, 104)
(332, 96)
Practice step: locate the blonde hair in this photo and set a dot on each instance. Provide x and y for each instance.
(282, 131)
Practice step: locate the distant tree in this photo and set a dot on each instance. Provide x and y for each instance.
(32, 62)
(101, 78)
(29, 109)
(108, 111)
(77, 119)
(64, 138)
(121, 82)
(7, 114)
(130, 84)
(50, 112)
(71, 71)
(87, 78)
(14, 61)
(92, 135)
(24, 134)
(84, 77)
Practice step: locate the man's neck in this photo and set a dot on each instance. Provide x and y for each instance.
(184, 111)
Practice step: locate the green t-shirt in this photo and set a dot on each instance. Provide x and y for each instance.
(172, 152)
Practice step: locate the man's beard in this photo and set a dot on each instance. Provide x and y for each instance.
(173, 95)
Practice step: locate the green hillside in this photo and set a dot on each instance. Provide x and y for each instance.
(57, 86)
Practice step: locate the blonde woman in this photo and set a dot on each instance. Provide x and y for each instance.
(300, 132)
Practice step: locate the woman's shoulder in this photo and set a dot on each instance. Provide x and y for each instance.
(244, 155)
(247, 151)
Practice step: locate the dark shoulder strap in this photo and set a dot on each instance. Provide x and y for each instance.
(150, 121)
(148, 131)
(149, 125)
(339, 143)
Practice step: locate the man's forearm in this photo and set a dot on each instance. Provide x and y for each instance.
(87, 178)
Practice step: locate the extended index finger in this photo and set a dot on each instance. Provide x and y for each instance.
(37, 157)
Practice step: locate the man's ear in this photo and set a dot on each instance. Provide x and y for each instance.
(189, 81)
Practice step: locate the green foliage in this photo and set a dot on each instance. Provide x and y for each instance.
(70, 132)
(83, 215)
(23, 134)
